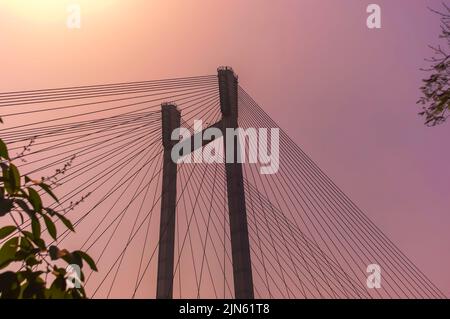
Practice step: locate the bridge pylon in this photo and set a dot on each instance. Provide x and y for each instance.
(240, 246)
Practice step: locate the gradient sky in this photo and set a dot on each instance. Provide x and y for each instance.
(346, 94)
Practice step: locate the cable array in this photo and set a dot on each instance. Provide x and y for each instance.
(313, 209)
(100, 148)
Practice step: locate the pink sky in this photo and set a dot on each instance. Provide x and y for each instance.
(346, 94)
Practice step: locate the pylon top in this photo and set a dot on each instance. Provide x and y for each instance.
(169, 105)
(227, 68)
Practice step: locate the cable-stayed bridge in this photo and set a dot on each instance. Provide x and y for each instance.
(195, 230)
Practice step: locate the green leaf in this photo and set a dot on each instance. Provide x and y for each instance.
(65, 221)
(6, 206)
(48, 190)
(28, 235)
(35, 199)
(3, 150)
(50, 226)
(25, 243)
(14, 178)
(56, 253)
(50, 211)
(58, 288)
(6, 231)
(9, 285)
(71, 258)
(5, 178)
(86, 258)
(32, 261)
(35, 227)
(35, 289)
(53, 252)
(22, 204)
(8, 252)
(38, 241)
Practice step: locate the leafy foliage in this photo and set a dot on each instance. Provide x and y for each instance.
(39, 274)
(435, 98)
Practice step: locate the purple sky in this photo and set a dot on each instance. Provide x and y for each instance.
(346, 94)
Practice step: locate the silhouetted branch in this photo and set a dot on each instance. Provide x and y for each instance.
(435, 98)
